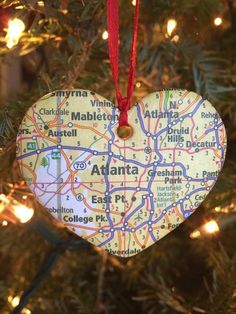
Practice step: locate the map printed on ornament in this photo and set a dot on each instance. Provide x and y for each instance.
(122, 196)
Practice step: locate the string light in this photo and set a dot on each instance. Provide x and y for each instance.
(13, 211)
(134, 3)
(14, 301)
(40, 3)
(4, 223)
(171, 25)
(23, 213)
(138, 84)
(175, 39)
(14, 32)
(105, 35)
(195, 234)
(211, 227)
(218, 21)
(4, 199)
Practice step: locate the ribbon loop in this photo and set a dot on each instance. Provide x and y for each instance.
(113, 39)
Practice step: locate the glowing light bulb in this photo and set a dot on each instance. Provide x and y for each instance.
(4, 199)
(218, 21)
(134, 3)
(175, 39)
(23, 213)
(40, 3)
(171, 25)
(14, 32)
(138, 84)
(105, 35)
(195, 234)
(4, 223)
(14, 301)
(211, 227)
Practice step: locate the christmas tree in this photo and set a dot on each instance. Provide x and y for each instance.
(55, 45)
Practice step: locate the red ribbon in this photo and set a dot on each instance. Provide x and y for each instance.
(113, 42)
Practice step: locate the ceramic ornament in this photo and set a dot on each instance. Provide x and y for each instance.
(121, 195)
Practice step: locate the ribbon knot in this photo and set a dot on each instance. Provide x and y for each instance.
(123, 103)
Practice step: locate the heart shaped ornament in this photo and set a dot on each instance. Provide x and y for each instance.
(121, 195)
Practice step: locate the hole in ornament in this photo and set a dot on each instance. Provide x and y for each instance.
(125, 132)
